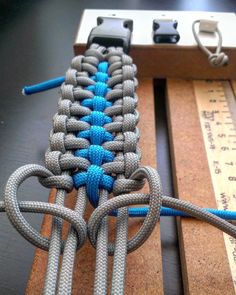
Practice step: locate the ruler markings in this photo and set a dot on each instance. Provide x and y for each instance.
(220, 148)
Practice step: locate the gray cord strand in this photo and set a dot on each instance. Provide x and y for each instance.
(119, 261)
(120, 252)
(55, 210)
(126, 72)
(11, 203)
(216, 59)
(101, 269)
(13, 208)
(54, 250)
(136, 199)
(68, 259)
(150, 220)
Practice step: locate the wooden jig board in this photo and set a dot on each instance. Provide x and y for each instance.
(144, 266)
(205, 264)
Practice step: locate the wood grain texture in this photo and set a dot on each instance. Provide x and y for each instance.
(203, 255)
(144, 266)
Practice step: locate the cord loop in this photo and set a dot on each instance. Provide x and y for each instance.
(217, 58)
(13, 208)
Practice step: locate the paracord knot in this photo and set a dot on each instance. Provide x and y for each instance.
(58, 181)
(218, 59)
(94, 179)
(120, 201)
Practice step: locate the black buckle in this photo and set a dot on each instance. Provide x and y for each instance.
(112, 32)
(164, 31)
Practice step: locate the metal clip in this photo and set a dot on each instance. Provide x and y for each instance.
(112, 32)
(164, 31)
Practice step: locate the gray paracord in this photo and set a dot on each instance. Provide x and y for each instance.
(217, 58)
(129, 176)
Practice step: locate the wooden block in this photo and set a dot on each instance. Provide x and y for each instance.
(203, 255)
(174, 62)
(144, 266)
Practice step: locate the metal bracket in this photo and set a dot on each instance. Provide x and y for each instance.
(112, 32)
(164, 31)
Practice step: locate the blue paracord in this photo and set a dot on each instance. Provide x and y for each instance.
(95, 176)
(142, 212)
(43, 86)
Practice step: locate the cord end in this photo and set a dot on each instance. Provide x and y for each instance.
(50, 84)
(23, 92)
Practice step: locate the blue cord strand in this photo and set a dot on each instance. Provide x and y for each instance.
(43, 86)
(142, 212)
(133, 212)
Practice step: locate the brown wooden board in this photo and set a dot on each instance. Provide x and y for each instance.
(233, 84)
(204, 260)
(176, 62)
(144, 266)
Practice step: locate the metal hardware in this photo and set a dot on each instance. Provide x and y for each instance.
(164, 31)
(112, 32)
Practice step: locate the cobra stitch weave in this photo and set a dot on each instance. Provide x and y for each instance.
(95, 177)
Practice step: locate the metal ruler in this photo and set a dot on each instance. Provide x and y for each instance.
(217, 113)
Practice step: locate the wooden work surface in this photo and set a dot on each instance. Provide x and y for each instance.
(144, 263)
(204, 260)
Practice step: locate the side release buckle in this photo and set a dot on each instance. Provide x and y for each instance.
(164, 31)
(112, 32)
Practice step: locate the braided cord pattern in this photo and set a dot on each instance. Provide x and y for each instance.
(110, 99)
(98, 108)
(93, 147)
